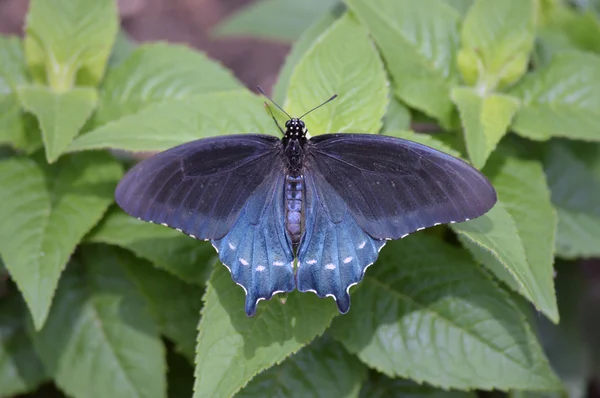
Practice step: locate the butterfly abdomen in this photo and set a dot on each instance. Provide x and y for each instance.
(294, 200)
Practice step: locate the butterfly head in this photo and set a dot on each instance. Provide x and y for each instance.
(295, 129)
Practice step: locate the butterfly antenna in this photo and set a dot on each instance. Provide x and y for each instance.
(273, 116)
(270, 99)
(334, 96)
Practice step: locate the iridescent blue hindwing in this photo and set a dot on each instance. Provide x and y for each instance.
(334, 252)
(256, 250)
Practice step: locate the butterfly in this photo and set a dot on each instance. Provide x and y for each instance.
(298, 212)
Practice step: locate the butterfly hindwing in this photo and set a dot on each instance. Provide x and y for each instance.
(394, 187)
(334, 251)
(199, 187)
(257, 250)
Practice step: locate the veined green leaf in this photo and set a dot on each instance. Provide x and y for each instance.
(100, 340)
(575, 187)
(60, 115)
(68, 42)
(281, 20)
(45, 212)
(496, 40)
(343, 61)
(524, 193)
(232, 348)
(561, 99)
(381, 386)
(21, 370)
(163, 125)
(425, 311)
(16, 129)
(485, 120)
(182, 256)
(159, 73)
(174, 305)
(321, 369)
(418, 40)
(495, 241)
(303, 44)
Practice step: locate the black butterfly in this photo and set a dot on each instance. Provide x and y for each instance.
(330, 202)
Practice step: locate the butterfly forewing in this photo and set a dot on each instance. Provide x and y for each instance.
(393, 187)
(200, 187)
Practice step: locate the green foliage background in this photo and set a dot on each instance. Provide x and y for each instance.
(103, 305)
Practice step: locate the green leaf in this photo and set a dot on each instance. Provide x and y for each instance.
(462, 6)
(172, 251)
(281, 20)
(174, 305)
(124, 46)
(45, 212)
(576, 195)
(60, 115)
(496, 40)
(322, 369)
(485, 120)
(381, 386)
(570, 28)
(495, 241)
(163, 125)
(524, 193)
(68, 42)
(427, 312)
(418, 40)
(159, 73)
(343, 61)
(561, 99)
(232, 348)
(565, 344)
(21, 370)
(100, 340)
(15, 128)
(397, 117)
(303, 44)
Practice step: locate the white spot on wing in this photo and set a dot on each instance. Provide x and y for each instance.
(278, 263)
(260, 268)
(362, 245)
(311, 262)
(347, 260)
(420, 229)
(244, 262)
(231, 246)
(330, 266)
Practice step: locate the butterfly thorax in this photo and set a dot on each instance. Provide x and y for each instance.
(294, 140)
